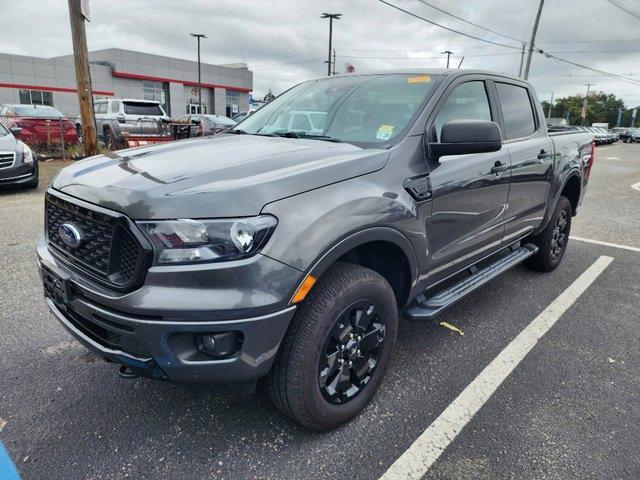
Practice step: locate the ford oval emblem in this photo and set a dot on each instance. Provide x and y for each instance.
(70, 234)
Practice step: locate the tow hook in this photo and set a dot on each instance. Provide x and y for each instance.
(126, 372)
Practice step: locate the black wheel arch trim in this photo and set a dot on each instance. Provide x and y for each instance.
(574, 172)
(368, 235)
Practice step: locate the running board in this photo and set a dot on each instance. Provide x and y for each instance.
(425, 308)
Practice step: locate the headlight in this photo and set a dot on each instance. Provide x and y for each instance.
(27, 154)
(197, 241)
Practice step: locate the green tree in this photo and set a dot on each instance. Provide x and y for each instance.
(601, 108)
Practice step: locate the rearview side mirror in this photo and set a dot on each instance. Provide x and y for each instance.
(461, 137)
(16, 131)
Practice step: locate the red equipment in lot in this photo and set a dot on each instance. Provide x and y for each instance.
(41, 125)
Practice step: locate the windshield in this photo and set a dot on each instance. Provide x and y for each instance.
(142, 108)
(33, 111)
(3, 131)
(368, 111)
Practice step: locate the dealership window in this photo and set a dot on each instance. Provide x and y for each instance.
(158, 91)
(233, 103)
(36, 97)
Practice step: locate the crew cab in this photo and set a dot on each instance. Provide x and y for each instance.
(285, 252)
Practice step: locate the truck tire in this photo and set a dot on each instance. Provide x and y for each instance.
(337, 348)
(552, 241)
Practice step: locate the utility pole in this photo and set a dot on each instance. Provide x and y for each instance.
(331, 17)
(586, 102)
(448, 52)
(198, 36)
(533, 40)
(83, 78)
(550, 106)
(334, 61)
(524, 45)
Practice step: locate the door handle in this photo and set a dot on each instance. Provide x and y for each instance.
(543, 154)
(499, 167)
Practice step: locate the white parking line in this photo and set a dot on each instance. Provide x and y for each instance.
(636, 186)
(606, 244)
(417, 460)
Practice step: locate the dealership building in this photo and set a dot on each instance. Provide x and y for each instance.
(121, 73)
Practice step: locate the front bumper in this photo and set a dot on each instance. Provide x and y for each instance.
(163, 347)
(19, 173)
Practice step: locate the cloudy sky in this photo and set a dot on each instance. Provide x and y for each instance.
(285, 41)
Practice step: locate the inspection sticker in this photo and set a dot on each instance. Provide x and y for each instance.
(384, 132)
(420, 79)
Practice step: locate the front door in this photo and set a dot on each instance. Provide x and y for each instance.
(469, 193)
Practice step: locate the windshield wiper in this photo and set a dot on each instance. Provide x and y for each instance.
(291, 134)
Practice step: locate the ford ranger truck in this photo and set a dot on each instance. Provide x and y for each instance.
(285, 250)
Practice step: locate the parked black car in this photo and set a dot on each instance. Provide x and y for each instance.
(285, 249)
(18, 165)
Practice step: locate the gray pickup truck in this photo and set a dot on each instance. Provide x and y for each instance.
(285, 250)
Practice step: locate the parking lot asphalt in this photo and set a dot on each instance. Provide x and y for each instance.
(569, 409)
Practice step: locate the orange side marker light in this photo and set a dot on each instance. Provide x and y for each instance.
(303, 289)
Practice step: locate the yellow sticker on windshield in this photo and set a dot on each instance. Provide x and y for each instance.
(384, 132)
(420, 79)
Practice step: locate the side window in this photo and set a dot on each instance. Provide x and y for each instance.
(468, 101)
(115, 106)
(519, 120)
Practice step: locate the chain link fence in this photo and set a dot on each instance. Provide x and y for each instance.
(61, 137)
(48, 137)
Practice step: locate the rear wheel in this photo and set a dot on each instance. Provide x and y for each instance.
(337, 349)
(552, 241)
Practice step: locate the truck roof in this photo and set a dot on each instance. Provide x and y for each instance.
(449, 72)
(140, 100)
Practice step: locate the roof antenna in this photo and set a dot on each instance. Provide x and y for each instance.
(461, 60)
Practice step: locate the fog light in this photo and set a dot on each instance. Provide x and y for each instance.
(220, 345)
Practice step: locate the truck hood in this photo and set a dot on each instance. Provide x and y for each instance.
(220, 176)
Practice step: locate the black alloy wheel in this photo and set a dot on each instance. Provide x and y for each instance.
(350, 354)
(559, 236)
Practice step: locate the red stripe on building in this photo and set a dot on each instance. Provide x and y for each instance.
(173, 80)
(50, 89)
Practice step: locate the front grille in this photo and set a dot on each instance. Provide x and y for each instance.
(6, 159)
(108, 252)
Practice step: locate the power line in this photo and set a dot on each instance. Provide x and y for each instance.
(627, 9)
(468, 21)
(608, 74)
(447, 28)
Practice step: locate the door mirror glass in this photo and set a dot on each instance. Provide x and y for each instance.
(461, 137)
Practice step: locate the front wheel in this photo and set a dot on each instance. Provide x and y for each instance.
(337, 349)
(552, 241)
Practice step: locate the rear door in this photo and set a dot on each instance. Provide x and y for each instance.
(469, 192)
(532, 155)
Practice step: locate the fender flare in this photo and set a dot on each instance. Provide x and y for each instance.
(368, 235)
(575, 172)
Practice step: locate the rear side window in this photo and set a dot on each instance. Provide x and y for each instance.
(468, 101)
(142, 108)
(519, 120)
(115, 106)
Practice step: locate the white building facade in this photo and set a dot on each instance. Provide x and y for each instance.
(117, 73)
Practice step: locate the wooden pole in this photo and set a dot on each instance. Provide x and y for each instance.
(83, 78)
(532, 42)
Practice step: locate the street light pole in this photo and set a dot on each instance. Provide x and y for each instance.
(448, 52)
(533, 40)
(331, 17)
(198, 36)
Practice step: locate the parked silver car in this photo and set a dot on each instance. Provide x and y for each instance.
(116, 117)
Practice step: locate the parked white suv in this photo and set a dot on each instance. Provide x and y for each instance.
(118, 116)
